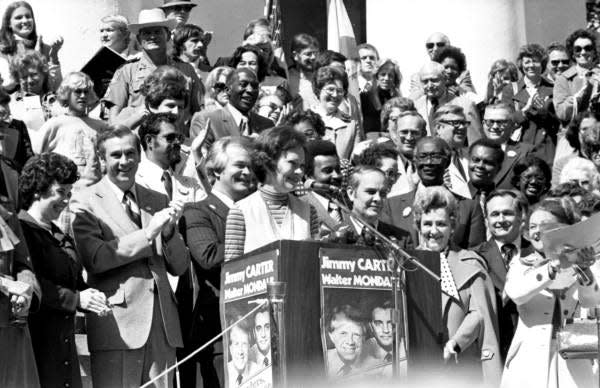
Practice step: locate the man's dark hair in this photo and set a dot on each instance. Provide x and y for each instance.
(118, 132)
(302, 41)
(151, 126)
(454, 53)
(297, 117)
(182, 34)
(316, 148)
(373, 154)
(487, 143)
(327, 57)
(522, 204)
(260, 59)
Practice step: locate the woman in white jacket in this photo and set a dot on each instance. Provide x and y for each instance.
(546, 292)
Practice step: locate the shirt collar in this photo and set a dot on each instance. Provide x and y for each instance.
(120, 193)
(358, 226)
(516, 243)
(223, 198)
(237, 115)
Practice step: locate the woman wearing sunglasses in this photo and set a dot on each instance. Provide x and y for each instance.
(547, 291)
(576, 89)
(217, 92)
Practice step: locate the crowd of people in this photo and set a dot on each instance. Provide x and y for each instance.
(125, 205)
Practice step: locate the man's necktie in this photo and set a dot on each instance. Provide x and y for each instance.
(166, 179)
(434, 106)
(459, 166)
(244, 127)
(266, 361)
(239, 379)
(334, 212)
(131, 208)
(388, 357)
(508, 252)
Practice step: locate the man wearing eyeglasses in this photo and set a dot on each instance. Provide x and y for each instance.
(558, 60)
(433, 44)
(433, 80)
(451, 126)
(410, 127)
(498, 126)
(432, 158)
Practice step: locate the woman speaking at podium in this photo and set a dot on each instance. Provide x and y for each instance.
(272, 213)
(546, 293)
(468, 302)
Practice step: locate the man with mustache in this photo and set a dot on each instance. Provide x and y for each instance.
(433, 80)
(451, 125)
(498, 126)
(152, 33)
(432, 158)
(237, 118)
(229, 165)
(304, 49)
(410, 127)
(506, 212)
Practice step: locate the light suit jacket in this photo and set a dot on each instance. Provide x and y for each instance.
(130, 271)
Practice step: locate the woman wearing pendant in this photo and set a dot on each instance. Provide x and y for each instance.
(272, 213)
(468, 302)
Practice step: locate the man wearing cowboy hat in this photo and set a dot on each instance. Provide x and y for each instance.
(178, 10)
(152, 33)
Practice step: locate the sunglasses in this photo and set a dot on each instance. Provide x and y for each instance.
(557, 62)
(588, 48)
(436, 44)
(500, 123)
(172, 137)
(456, 123)
(220, 86)
(430, 158)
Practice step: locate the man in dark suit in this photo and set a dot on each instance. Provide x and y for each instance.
(506, 211)
(367, 190)
(432, 157)
(485, 160)
(127, 239)
(498, 126)
(236, 118)
(229, 163)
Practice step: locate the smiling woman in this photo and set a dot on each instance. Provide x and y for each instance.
(272, 213)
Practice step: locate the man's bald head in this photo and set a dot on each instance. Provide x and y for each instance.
(436, 41)
(433, 80)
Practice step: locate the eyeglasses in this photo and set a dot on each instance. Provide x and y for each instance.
(332, 89)
(500, 123)
(414, 132)
(557, 62)
(220, 86)
(430, 158)
(456, 123)
(172, 137)
(430, 45)
(588, 48)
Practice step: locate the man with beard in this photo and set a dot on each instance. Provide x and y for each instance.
(178, 10)
(229, 164)
(240, 368)
(237, 118)
(433, 81)
(433, 44)
(410, 127)
(432, 157)
(558, 60)
(367, 190)
(323, 178)
(506, 212)
(345, 329)
(152, 33)
(161, 142)
(451, 126)
(498, 126)
(485, 159)
(260, 352)
(300, 76)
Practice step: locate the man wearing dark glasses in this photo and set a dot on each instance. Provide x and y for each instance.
(558, 60)
(433, 44)
(432, 157)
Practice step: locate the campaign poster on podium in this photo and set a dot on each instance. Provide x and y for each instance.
(356, 315)
(247, 347)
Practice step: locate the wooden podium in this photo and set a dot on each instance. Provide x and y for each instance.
(297, 264)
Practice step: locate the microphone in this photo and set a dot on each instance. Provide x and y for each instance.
(323, 187)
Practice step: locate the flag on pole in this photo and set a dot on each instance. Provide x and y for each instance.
(273, 15)
(340, 34)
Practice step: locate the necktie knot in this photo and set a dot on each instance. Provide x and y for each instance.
(508, 251)
(266, 361)
(239, 379)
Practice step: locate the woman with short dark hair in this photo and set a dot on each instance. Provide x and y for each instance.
(45, 188)
(532, 177)
(272, 212)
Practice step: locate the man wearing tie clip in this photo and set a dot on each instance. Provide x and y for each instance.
(128, 240)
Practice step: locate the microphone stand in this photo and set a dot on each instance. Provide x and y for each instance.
(396, 256)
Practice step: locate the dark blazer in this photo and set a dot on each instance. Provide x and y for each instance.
(205, 236)
(17, 145)
(539, 129)
(507, 311)
(470, 228)
(514, 152)
(52, 328)
(325, 219)
(218, 123)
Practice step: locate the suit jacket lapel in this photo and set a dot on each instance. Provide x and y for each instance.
(495, 262)
(113, 207)
(229, 124)
(510, 158)
(217, 206)
(147, 207)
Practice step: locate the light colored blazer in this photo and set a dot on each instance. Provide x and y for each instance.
(130, 271)
(458, 184)
(532, 361)
(565, 87)
(473, 323)
(149, 175)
